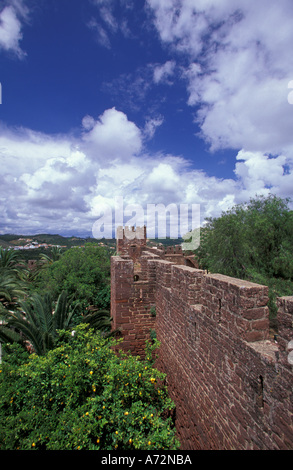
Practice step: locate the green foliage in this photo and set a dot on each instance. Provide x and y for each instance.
(153, 335)
(153, 311)
(252, 241)
(83, 272)
(38, 321)
(54, 255)
(250, 237)
(9, 259)
(12, 278)
(102, 296)
(11, 288)
(83, 395)
(98, 320)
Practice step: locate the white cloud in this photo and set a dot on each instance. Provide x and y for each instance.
(164, 71)
(112, 136)
(58, 184)
(108, 18)
(162, 178)
(240, 64)
(101, 34)
(23, 148)
(237, 80)
(108, 24)
(151, 125)
(10, 27)
(264, 173)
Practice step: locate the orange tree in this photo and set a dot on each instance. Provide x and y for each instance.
(83, 395)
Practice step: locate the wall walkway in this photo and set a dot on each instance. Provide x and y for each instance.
(231, 382)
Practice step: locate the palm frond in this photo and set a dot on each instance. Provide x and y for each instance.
(11, 288)
(39, 320)
(8, 335)
(60, 311)
(98, 319)
(16, 320)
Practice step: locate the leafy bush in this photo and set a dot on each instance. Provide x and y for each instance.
(252, 241)
(84, 395)
(83, 272)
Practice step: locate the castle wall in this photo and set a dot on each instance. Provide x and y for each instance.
(132, 302)
(231, 383)
(230, 392)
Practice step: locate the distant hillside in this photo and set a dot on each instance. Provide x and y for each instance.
(55, 239)
(14, 239)
(165, 241)
(4, 244)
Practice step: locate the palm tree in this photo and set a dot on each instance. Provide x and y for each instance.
(38, 322)
(44, 262)
(98, 319)
(56, 253)
(10, 262)
(10, 289)
(12, 277)
(8, 257)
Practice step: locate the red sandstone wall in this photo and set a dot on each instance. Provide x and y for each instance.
(238, 306)
(233, 387)
(131, 302)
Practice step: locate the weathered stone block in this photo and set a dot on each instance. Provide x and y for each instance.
(229, 392)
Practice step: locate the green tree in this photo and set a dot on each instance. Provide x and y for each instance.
(83, 395)
(222, 246)
(83, 272)
(98, 320)
(55, 254)
(252, 241)
(254, 236)
(10, 260)
(43, 261)
(13, 274)
(11, 289)
(38, 321)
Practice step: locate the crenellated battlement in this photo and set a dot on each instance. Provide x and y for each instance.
(231, 382)
(132, 241)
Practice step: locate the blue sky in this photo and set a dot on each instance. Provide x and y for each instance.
(156, 101)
